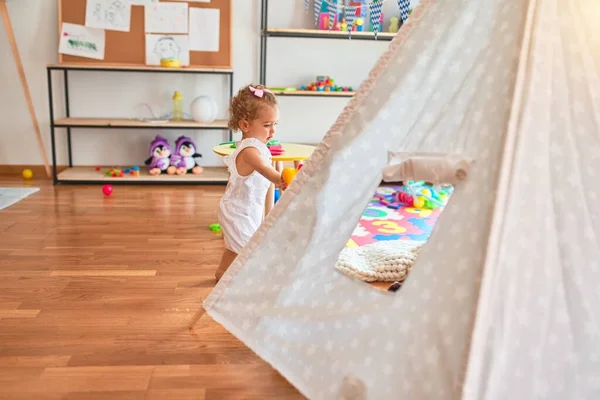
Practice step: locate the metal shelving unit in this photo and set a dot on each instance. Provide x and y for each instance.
(85, 175)
(267, 33)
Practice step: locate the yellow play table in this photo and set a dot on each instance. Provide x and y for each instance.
(292, 152)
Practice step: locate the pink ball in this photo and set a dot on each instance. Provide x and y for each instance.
(107, 190)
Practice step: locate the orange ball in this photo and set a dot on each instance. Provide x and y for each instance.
(288, 175)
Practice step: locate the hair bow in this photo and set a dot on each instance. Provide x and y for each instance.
(259, 92)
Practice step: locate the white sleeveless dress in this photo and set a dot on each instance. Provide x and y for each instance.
(242, 206)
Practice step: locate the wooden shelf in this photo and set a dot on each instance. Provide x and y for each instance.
(319, 34)
(132, 123)
(88, 174)
(137, 68)
(308, 93)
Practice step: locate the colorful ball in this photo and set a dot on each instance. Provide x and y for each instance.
(27, 174)
(107, 190)
(419, 202)
(204, 109)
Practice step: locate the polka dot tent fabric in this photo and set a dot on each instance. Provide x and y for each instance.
(502, 302)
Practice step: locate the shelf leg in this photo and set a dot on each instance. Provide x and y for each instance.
(52, 138)
(68, 114)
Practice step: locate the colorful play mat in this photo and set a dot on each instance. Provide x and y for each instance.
(381, 223)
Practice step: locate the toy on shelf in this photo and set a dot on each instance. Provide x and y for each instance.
(121, 172)
(394, 25)
(325, 84)
(177, 106)
(330, 16)
(184, 158)
(329, 13)
(160, 154)
(204, 109)
(134, 171)
(283, 89)
(359, 16)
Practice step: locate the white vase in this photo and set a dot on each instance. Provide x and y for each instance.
(203, 109)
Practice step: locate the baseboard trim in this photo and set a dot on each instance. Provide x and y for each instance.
(39, 171)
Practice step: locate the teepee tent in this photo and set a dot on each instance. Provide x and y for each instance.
(503, 300)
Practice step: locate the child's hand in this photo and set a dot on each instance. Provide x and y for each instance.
(281, 186)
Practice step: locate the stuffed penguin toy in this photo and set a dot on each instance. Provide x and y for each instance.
(184, 158)
(160, 153)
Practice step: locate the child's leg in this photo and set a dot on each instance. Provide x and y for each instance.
(226, 260)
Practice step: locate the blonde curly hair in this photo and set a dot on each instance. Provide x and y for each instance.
(246, 104)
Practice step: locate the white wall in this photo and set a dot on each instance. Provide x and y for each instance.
(115, 94)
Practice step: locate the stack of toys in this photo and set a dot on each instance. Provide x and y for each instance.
(119, 173)
(361, 21)
(325, 84)
(339, 22)
(274, 146)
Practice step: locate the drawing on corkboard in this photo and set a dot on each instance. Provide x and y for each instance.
(208, 46)
(167, 47)
(79, 40)
(108, 14)
(166, 18)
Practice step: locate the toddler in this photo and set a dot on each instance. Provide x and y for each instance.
(254, 112)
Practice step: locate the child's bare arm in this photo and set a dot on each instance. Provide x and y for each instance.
(252, 158)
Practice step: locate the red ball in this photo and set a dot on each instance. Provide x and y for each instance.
(107, 190)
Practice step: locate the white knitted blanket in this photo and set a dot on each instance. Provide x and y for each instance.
(384, 261)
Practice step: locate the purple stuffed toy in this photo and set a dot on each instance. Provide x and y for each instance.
(184, 158)
(160, 153)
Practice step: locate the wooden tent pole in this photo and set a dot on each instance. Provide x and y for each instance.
(196, 317)
(17, 59)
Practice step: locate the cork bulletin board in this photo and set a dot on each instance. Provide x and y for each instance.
(129, 48)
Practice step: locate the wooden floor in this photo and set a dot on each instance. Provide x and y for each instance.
(95, 294)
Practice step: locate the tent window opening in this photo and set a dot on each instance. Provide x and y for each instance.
(396, 223)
